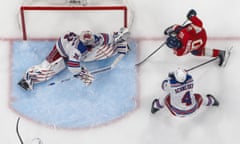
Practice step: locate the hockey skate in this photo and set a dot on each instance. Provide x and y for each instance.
(25, 85)
(215, 101)
(153, 109)
(224, 56)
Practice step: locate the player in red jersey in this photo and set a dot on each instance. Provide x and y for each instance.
(191, 38)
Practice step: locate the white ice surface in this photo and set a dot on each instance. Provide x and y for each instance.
(208, 126)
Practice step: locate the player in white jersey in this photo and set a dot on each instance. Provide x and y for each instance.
(71, 49)
(181, 100)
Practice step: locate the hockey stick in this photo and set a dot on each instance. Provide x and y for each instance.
(211, 60)
(141, 62)
(17, 131)
(115, 62)
(19, 136)
(138, 64)
(103, 69)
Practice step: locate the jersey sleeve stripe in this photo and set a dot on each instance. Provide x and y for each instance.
(73, 64)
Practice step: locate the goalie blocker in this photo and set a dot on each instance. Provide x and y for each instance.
(71, 49)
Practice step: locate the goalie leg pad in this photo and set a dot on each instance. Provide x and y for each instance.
(44, 71)
(58, 65)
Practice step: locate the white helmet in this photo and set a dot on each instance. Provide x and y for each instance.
(180, 75)
(87, 38)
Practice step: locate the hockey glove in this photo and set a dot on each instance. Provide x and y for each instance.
(191, 13)
(173, 30)
(85, 76)
(122, 35)
(164, 85)
(171, 74)
(169, 30)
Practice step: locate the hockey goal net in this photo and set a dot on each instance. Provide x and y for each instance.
(48, 19)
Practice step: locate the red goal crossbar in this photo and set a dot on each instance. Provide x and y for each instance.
(68, 8)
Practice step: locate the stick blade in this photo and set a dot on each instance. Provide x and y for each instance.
(138, 64)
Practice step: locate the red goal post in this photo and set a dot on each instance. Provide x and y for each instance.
(50, 20)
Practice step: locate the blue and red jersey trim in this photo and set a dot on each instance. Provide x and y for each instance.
(73, 64)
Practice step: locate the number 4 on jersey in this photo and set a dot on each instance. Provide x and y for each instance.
(187, 99)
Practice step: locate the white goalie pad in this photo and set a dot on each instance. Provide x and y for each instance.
(44, 71)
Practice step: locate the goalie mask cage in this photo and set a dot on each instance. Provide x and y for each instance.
(48, 19)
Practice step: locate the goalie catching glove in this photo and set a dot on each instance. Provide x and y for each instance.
(120, 40)
(122, 35)
(85, 76)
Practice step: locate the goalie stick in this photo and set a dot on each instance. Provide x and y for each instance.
(103, 69)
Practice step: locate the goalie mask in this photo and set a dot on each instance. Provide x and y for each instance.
(87, 38)
(180, 75)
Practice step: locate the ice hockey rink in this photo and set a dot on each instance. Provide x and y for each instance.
(209, 125)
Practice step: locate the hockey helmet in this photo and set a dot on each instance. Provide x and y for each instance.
(173, 42)
(87, 38)
(180, 75)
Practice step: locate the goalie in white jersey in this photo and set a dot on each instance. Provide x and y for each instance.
(71, 49)
(181, 100)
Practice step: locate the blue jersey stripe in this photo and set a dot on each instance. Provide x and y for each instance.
(61, 48)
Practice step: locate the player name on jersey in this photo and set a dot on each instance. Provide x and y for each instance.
(185, 87)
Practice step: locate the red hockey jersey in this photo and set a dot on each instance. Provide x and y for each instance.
(193, 38)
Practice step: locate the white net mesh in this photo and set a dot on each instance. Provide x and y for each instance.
(73, 2)
(54, 17)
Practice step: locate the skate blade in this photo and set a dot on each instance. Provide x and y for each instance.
(227, 56)
(24, 85)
